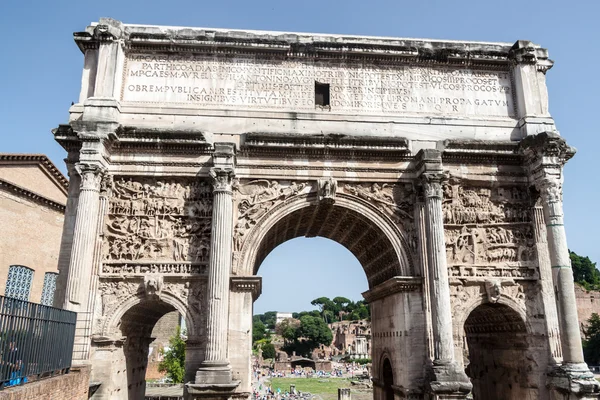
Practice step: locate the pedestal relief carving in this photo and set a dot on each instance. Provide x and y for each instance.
(157, 220)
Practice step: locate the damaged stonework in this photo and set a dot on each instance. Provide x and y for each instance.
(194, 152)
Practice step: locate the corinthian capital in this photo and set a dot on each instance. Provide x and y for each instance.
(432, 184)
(222, 179)
(91, 176)
(550, 189)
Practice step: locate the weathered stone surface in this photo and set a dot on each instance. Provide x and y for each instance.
(424, 158)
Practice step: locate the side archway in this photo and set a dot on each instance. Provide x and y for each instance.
(498, 359)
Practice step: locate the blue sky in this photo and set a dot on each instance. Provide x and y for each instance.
(40, 71)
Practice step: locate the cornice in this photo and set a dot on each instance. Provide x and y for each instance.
(397, 284)
(22, 192)
(39, 159)
(480, 151)
(252, 284)
(365, 147)
(140, 38)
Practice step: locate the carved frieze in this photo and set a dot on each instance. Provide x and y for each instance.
(174, 269)
(157, 221)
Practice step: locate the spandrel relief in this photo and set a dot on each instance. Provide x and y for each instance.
(256, 198)
(157, 221)
(396, 201)
(488, 232)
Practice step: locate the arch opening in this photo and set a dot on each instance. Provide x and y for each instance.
(138, 327)
(497, 353)
(387, 377)
(356, 232)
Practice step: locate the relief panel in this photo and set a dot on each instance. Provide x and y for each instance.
(157, 226)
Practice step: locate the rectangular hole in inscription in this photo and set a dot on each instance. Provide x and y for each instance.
(322, 94)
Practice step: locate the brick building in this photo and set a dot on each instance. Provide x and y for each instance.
(33, 195)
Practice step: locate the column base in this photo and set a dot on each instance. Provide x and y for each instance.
(215, 373)
(447, 381)
(573, 382)
(213, 382)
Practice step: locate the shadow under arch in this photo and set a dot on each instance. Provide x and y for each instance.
(461, 318)
(387, 377)
(164, 303)
(378, 244)
(499, 363)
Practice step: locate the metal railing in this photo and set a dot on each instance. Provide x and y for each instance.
(35, 341)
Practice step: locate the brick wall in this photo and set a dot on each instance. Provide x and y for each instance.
(162, 331)
(588, 302)
(72, 386)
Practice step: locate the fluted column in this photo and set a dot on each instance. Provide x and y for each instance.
(216, 368)
(550, 189)
(84, 236)
(443, 346)
(447, 378)
(79, 277)
(220, 265)
(546, 284)
(544, 156)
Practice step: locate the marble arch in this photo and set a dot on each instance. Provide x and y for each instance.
(189, 162)
(304, 215)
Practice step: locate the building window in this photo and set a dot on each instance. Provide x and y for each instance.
(49, 288)
(18, 284)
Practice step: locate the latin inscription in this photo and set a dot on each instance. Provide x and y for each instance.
(247, 83)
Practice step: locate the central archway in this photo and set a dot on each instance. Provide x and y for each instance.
(378, 240)
(378, 243)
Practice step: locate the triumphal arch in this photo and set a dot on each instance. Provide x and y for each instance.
(193, 153)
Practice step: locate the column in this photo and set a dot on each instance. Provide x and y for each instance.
(82, 256)
(220, 265)
(447, 378)
(550, 189)
(84, 235)
(216, 368)
(443, 346)
(546, 285)
(545, 155)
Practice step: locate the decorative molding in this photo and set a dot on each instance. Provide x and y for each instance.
(251, 284)
(274, 144)
(397, 284)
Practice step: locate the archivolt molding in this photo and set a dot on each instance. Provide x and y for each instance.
(119, 297)
(466, 298)
(258, 215)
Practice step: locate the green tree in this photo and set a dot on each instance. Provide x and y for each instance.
(584, 271)
(173, 362)
(268, 351)
(259, 331)
(591, 343)
(315, 332)
(325, 304)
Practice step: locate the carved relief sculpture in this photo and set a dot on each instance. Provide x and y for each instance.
(488, 232)
(153, 221)
(256, 198)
